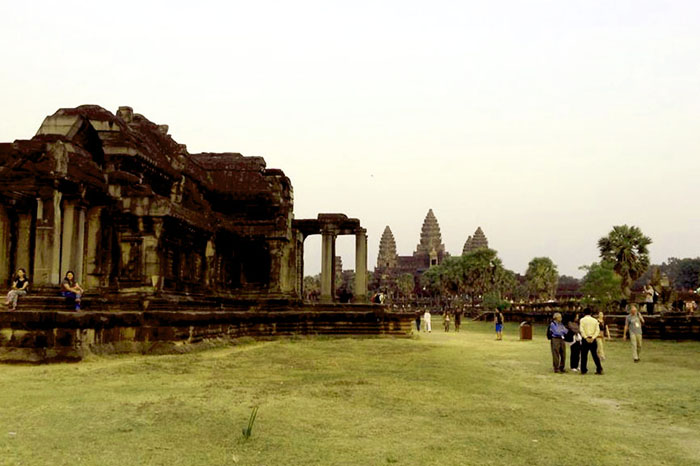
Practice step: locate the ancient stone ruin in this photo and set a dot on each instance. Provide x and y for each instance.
(430, 251)
(145, 224)
(477, 241)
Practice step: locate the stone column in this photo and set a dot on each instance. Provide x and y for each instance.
(47, 249)
(79, 251)
(153, 255)
(327, 265)
(91, 267)
(360, 266)
(4, 246)
(210, 258)
(68, 238)
(24, 232)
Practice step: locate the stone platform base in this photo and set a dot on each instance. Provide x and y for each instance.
(42, 336)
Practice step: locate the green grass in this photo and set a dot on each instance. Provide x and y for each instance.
(437, 399)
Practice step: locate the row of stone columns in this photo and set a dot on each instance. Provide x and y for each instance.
(60, 230)
(328, 237)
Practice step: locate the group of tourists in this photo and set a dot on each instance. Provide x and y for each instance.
(586, 336)
(70, 289)
(424, 320)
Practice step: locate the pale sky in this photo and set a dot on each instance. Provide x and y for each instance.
(543, 122)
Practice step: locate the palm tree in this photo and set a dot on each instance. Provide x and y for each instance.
(626, 248)
(542, 278)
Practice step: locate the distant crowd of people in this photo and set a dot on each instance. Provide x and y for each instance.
(424, 320)
(19, 287)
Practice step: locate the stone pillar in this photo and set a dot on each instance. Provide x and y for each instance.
(327, 265)
(152, 255)
(360, 266)
(92, 273)
(68, 238)
(24, 232)
(47, 249)
(210, 258)
(79, 251)
(4, 246)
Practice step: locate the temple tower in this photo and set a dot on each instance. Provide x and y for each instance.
(478, 241)
(430, 245)
(387, 250)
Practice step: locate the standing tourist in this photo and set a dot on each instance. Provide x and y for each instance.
(458, 319)
(427, 324)
(649, 298)
(574, 338)
(633, 324)
(71, 289)
(418, 317)
(604, 333)
(447, 321)
(498, 320)
(556, 334)
(20, 285)
(589, 329)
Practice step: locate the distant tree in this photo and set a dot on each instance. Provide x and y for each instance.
(312, 285)
(542, 277)
(473, 274)
(347, 281)
(483, 272)
(405, 284)
(627, 249)
(494, 300)
(684, 274)
(601, 285)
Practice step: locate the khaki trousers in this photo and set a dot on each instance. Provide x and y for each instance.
(601, 350)
(636, 341)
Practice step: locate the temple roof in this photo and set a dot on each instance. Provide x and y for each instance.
(477, 241)
(387, 250)
(430, 237)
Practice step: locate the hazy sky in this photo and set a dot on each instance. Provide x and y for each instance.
(544, 122)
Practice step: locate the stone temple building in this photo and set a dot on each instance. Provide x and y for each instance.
(429, 251)
(114, 198)
(478, 241)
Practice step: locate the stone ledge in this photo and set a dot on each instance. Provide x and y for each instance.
(32, 336)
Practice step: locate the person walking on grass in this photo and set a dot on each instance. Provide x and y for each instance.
(458, 319)
(427, 324)
(604, 333)
(498, 321)
(418, 319)
(589, 329)
(556, 334)
(447, 321)
(573, 337)
(633, 325)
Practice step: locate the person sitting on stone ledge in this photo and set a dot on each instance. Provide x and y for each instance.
(20, 285)
(71, 289)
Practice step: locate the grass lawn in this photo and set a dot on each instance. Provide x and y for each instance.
(442, 399)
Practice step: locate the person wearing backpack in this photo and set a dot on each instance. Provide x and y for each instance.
(556, 332)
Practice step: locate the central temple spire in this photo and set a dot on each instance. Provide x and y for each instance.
(430, 240)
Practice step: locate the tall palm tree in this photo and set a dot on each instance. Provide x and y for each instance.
(626, 248)
(542, 277)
